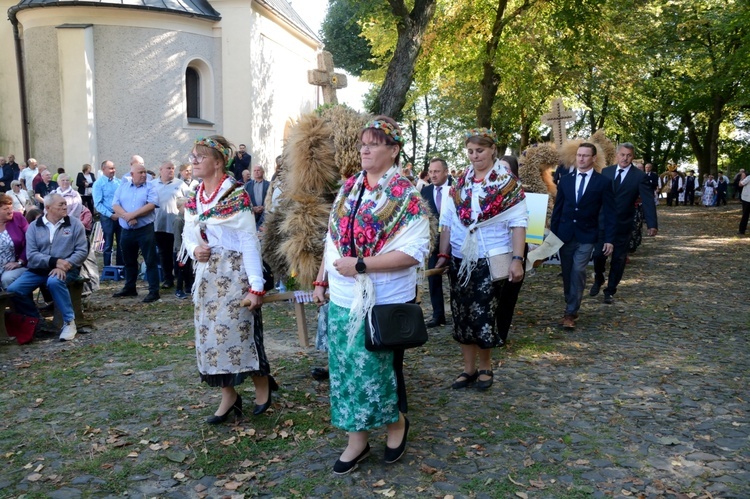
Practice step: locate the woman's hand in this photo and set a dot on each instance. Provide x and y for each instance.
(319, 295)
(441, 262)
(345, 266)
(202, 253)
(253, 301)
(515, 271)
(12, 265)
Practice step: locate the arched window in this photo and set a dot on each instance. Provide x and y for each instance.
(199, 93)
(193, 92)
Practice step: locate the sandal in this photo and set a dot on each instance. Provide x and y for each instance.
(463, 383)
(484, 384)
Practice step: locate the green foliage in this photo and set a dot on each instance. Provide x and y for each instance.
(343, 38)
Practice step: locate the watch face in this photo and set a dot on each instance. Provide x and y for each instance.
(360, 266)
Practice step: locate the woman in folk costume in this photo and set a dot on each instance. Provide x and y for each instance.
(709, 191)
(220, 236)
(486, 211)
(378, 234)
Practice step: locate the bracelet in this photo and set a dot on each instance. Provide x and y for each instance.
(518, 258)
(257, 293)
(323, 284)
(443, 255)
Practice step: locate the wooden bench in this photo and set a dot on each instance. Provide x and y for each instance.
(5, 303)
(76, 291)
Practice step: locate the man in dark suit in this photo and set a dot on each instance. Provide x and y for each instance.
(561, 171)
(257, 190)
(652, 177)
(575, 220)
(436, 195)
(628, 182)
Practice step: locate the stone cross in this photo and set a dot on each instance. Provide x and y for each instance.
(325, 77)
(557, 119)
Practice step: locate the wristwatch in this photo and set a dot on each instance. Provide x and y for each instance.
(515, 257)
(360, 265)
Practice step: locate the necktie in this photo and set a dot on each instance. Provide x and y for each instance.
(581, 186)
(618, 179)
(438, 198)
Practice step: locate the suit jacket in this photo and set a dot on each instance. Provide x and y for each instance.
(560, 172)
(635, 184)
(249, 188)
(428, 193)
(653, 180)
(582, 219)
(7, 177)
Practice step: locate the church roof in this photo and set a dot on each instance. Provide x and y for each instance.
(192, 8)
(284, 9)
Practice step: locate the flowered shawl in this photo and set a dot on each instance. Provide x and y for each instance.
(380, 225)
(232, 210)
(498, 195)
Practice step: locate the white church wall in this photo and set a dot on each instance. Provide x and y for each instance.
(11, 141)
(43, 95)
(140, 96)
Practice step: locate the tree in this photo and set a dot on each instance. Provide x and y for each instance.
(343, 38)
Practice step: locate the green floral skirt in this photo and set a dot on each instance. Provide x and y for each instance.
(363, 383)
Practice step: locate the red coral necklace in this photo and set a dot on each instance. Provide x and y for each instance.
(202, 191)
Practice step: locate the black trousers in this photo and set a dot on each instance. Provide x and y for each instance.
(673, 196)
(184, 276)
(690, 197)
(745, 216)
(435, 284)
(165, 245)
(617, 265)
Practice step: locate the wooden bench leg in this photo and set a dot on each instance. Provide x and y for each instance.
(299, 312)
(76, 291)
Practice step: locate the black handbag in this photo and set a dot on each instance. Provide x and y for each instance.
(397, 326)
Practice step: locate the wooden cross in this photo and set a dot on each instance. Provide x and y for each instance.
(557, 120)
(325, 77)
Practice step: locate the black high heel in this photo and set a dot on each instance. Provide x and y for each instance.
(272, 387)
(236, 407)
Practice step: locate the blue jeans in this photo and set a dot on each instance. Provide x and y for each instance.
(574, 257)
(132, 240)
(111, 229)
(24, 287)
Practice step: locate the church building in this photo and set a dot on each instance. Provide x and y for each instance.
(90, 80)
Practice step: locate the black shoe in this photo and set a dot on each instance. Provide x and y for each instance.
(125, 292)
(272, 387)
(320, 373)
(596, 287)
(236, 407)
(167, 285)
(151, 297)
(436, 322)
(463, 383)
(483, 385)
(608, 299)
(393, 455)
(343, 468)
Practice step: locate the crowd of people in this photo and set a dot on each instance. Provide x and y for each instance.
(197, 227)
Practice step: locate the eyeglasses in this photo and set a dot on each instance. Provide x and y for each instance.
(196, 159)
(369, 147)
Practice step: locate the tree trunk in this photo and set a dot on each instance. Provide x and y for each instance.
(490, 79)
(411, 27)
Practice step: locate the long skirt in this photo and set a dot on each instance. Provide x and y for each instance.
(477, 306)
(228, 336)
(363, 387)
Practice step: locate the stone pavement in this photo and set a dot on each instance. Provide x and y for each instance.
(646, 398)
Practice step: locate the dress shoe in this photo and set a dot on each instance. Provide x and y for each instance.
(125, 292)
(236, 407)
(463, 383)
(320, 373)
(484, 384)
(569, 322)
(151, 297)
(435, 322)
(608, 299)
(272, 387)
(343, 468)
(596, 287)
(393, 455)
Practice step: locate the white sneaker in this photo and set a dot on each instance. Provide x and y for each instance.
(68, 331)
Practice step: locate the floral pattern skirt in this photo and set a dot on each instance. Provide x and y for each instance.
(476, 306)
(362, 383)
(228, 336)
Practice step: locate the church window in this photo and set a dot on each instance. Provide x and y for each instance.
(199, 93)
(193, 93)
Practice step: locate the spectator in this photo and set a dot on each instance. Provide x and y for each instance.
(75, 205)
(6, 175)
(168, 189)
(183, 271)
(721, 189)
(85, 183)
(737, 193)
(27, 176)
(12, 242)
(135, 203)
(56, 247)
(241, 161)
(186, 175)
(60, 171)
(258, 189)
(20, 197)
(44, 187)
(423, 180)
(14, 166)
(37, 180)
(104, 192)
